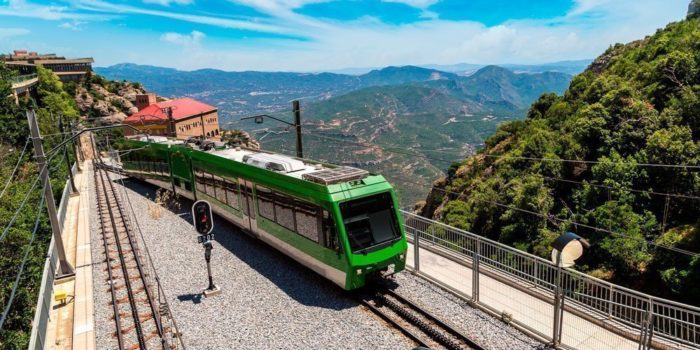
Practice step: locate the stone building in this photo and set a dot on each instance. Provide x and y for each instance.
(67, 69)
(181, 118)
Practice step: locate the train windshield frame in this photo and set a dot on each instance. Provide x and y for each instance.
(370, 222)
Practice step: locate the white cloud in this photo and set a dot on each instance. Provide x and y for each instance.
(421, 4)
(12, 32)
(168, 2)
(369, 43)
(23, 8)
(260, 26)
(585, 32)
(73, 25)
(186, 40)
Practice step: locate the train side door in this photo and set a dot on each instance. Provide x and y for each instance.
(181, 173)
(248, 205)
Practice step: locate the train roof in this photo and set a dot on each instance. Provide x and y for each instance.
(324, 174)
(315, 172)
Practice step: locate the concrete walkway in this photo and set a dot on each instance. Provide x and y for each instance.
(532, 311)
(71, 322)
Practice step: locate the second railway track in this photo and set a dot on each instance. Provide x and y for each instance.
(136, 310)
(416, 323)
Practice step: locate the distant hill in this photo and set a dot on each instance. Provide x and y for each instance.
(414, 109)
(636, 105)
(568, 67)
(242, 93)
(445, 119)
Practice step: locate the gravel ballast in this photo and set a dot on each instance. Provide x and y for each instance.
(268, 301)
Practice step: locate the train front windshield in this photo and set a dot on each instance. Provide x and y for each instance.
(370, 222)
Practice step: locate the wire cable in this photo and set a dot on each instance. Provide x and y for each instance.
(554, 218)
(622, 188)
(24, 201)
(501, 157)
(546, 177)
(19, 161)
(28, 249)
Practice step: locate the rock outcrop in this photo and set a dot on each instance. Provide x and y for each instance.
(106, 102)
(694, 9)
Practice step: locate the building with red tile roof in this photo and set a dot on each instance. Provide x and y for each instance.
(181, 118)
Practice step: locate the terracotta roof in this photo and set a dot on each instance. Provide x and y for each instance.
(182, 108)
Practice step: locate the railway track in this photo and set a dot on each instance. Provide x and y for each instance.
(416, 323)
(137, 310)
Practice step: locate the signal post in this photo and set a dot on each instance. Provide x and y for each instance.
(204, 224)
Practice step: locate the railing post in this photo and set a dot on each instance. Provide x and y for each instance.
(536, 273)
(610, 301)
(556, 333)
(475, 272)
(416, 248)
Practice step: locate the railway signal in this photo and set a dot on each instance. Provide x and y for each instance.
(204, 224)
(201, 215)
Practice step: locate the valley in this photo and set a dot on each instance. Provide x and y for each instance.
(407, 123)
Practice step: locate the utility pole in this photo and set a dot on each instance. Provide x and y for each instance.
(79, 158)
(73, 189)
(171, 124)
(65, 269)
(201, 120)
(297, 126)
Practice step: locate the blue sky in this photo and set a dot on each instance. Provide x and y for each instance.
(318, 35)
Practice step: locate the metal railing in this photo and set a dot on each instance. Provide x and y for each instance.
(650, 321)
(22, 78)
(43, 307)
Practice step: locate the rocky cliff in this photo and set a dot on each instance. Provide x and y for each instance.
(105, 102)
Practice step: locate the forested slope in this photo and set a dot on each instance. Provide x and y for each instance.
(16, 242)
(580, 159)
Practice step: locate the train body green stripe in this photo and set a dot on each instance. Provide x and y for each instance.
(174, 166)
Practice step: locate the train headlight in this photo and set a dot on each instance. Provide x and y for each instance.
(401, 257)
(359, 271)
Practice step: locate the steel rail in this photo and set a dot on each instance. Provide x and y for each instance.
(407, 332)
(115, 304)
(124, 268)
(415, 315)
(139, 265)
(436, 320)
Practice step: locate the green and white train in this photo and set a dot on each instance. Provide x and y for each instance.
(341, 222)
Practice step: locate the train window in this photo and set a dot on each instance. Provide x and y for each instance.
(307, 220)
(265, 203)
(330, 235)
(247, 197)
(284, 211)
(231, 189)
(220, 191)
(200, 182)
(370, 222)
(209, 181)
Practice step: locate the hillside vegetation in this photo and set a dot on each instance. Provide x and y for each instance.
(636, 104)
(18, 245)
(412, 132)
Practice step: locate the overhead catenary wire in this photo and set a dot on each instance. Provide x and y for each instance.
(538, 159)
(390, 150)
(667, 195)
(554, 218)
(19, 161)
(27, 250)
(24, 200)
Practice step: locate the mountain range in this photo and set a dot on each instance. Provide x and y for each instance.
(431, 117)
